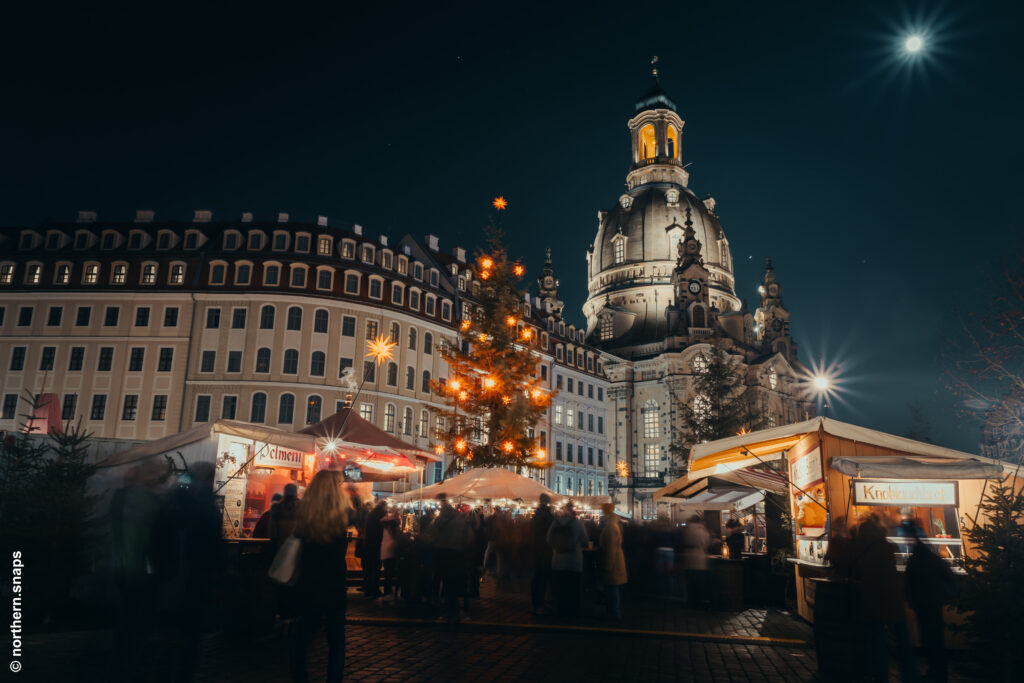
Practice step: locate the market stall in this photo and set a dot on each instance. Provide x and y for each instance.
(500, 486)
(838, 473)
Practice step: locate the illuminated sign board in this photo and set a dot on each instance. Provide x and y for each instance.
(278, 456)
(914, 493)
(806, 469)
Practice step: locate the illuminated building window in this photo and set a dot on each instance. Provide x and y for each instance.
(646, 142)
(389, 417)
(606, 327)
(651, 420)
(92, 274)
(773, 378)
(620, 250)
(700, 364)
(652, 460)
(673, 142)
(366, 411)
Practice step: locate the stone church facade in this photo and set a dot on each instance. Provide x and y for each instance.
(661, 288)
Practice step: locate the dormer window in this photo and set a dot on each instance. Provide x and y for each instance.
(135, 240)
(302, 243)
(462, 284)
(91, 274)
(243, 273)
(298, 276)
(53, 240)
(27, 240)
(82, 239)
(255, 240)
(163, 240)
(34, 274)
(348, 249)
(217, 271)
(619, 248)
(414, 299)
(367, 253)
(191, 239)
(148, 274)
(63, 275)
(177, 275)
(376, 288)
(396, 294)
(403, 265)
(434, 277)
(417, 271)
(119, 275)
(323, 245)
(280, 241)
(6, 274)
(387, 259)
(231, 240)
(109, 240)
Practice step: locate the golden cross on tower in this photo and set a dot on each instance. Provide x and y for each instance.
(654, 66)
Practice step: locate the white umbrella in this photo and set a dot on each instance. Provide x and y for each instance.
(480, 484)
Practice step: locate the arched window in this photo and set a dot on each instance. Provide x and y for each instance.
(424, 423)
(267, 317)
(646, 142)
(699, 317)
(320, 320)
(700, 364)
(317, 363)
(428, 343)
(294, 318)
(412, 338)
(63, 275)
(392, 376)
(396, 332)
(673, 142)
(425, 387)
(410, 378)
(286, 409)
(263, 361)
(407, 422)
(389, 417)
(619, 246)
(259, 408)
(291, 362)
(313, 409)
(651, 419)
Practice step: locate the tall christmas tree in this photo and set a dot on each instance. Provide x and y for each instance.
(721, 406)
(493, 395)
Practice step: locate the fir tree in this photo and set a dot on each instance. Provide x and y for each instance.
(493, 395)
(720, 406)
(991, 595)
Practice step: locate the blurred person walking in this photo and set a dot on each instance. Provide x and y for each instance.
(614, 569)
(262, 528)
(282, 516)
(450, 536)
(881, 602)
(322, 525)
(930, 584)
(539, 527)
(373, 534)
(695, 560)
(567, 538)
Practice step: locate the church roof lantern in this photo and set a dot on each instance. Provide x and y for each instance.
(654, 97)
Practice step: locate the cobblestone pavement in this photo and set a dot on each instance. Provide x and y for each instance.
(498, 640)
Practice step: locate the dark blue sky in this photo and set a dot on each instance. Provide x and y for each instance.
(885, 195)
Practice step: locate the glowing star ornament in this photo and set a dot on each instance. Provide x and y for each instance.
(460, 446)
(510, 321)
(490, 382)
(486, 263)
(439, 449)
(508, 446)
(519, 270)
(455, 385)
(507, 400)
(527, 334)
(464, 325)
(500, 203)
(381, 349)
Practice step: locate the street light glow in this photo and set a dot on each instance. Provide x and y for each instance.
(913, 44)
(821, 383)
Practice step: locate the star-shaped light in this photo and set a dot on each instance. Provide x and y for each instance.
(519, 270)
(381, 349)
(500, 203)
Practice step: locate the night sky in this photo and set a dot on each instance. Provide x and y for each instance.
(885, 190)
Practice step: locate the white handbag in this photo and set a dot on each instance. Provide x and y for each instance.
(284, 569)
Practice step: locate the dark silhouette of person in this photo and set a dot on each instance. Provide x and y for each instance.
(881, 602)
(282, 516)
(450, 536)
(539, 526)
(930, 584)
(735, 541)
(373, 535)
(262, 528)
(322, 522)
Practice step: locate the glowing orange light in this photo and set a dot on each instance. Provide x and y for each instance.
(439, 449)
(381, 349)
(465, 325)
(622, 468)
(508, 446)
(486, 263)
(519, 270)
(527, 333)
(455, 385)
(506, 400)
(500, 203)
(535, 394)
(541, 454)
(743, 431)
(490, 382)
(463, 395)
(460, 446)
(510, 321)
(484, 275)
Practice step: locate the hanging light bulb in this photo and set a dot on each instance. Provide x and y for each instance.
(508, 446)
(510, 321)
(527, 333)
(455, 385)
(460, 446)
(490, 382)
(486, 263)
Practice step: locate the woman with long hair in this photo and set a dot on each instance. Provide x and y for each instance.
(321, 523)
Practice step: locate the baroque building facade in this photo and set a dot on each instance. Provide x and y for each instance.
(143, 329)
(661, 291)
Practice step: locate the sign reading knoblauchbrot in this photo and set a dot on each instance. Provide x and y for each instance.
(278, 456)
(916, 493)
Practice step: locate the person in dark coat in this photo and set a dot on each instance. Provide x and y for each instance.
(539, 526)
(735, 541)
(373, 535)
(282, 516)
(262, 528)
(930, 584)
(450, 536)
(322, 526)
(881, 602)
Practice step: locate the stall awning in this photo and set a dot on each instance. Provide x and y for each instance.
(733, 498)
(347, 426)
(898, 467)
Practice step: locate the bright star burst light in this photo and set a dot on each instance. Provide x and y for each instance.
(823, 383)
(500, 203)
(914, 43)
(381, 349)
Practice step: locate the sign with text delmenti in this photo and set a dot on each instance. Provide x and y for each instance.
(279, 456)
(915, 493)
